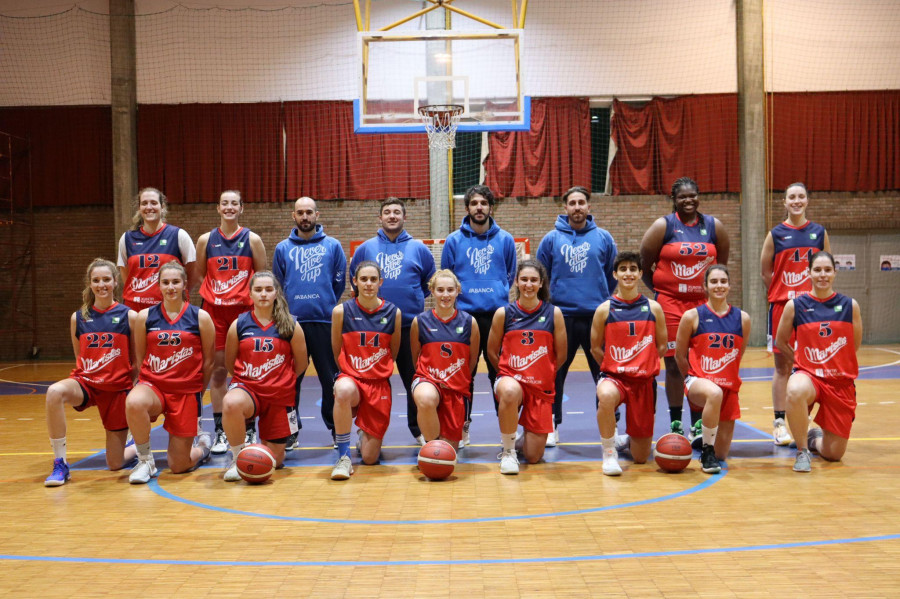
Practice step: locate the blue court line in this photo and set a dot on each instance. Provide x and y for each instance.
(461, 562)
(155, 486)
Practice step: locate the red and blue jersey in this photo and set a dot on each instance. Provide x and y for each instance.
(265, 361)
(229, 266)
(366, 347)
(528, 350)
(174, 353)
(793, 248)
(144, 255)
(104, 358)
(446, 348)
(687, 252)
(825, 343)
(629, 339)
(714, 352)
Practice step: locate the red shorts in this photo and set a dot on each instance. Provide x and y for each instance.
(110, 404)
(181, 410)
(639, 394)
(776, 309)
(837, 405)
(536, 414)
(373, 414)
(674, 309)
(276, 422)
(222, 317)
(451, 410)
(731, 404)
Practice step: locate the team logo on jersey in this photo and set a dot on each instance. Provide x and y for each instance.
(645, 308)
(575, 256)
(308, 260)
(687, 273)
(364, 364)
(263, 370)
(703, 232)
(524, 362)
(624, 354)
(480, 259)
(446, 373)
(159, 365)
(89, 365)
(390, 264)
(162, 242)
(222, 287)
(138, 285)
(820, 356)
(839, 308)
(240, 244)
(116, 319)
(459, 330)
(714, 365)
(812, 236)
(542, 318)
(792, 279)
(383, 320)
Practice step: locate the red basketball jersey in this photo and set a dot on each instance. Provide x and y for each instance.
(174, 360)
(366, 347)
(528, 352)
(265, 361)
(146, 253)
(825, 345)
(687, 252)
(630, 339)
(793, 248)
(444, 359)
(229, 266)
(103, 348)
(715, 348)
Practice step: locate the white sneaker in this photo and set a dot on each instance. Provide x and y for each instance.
(250, 437)
(781, 436)
(553, 438)
(465, 436)
(623, 442)
(421, 440)
(509, 462)
(143, 472)
(342, 469)
(220, 445)
(611, 463)
(232, 475)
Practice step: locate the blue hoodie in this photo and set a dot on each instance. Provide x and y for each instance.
(580, 265)
(485, 265)
(406, 266)
(313, 274)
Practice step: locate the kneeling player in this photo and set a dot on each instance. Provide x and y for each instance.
(628, 337)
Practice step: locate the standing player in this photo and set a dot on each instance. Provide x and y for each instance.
(628, 337)
(312, 270)
(709, 346)
(149, 244)
(483, 256)
(103, 373)
(227, 257)
(527, 344)
(675, 252)
(365, 342)
(828, 327)
(265, 352)
(407, 266)
(444, 343)
(578, 256)
(784, 265)
(174, 342)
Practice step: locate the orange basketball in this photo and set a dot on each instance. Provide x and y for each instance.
(437, 459)
(255, 463)
(673, 452)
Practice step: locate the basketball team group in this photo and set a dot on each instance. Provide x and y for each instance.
(155, 354)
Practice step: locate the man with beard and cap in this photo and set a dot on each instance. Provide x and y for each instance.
(311, 268)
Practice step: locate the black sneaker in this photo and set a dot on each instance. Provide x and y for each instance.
(709, 463)
(291, 444)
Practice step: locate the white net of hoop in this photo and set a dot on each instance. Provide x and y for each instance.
(441, 121)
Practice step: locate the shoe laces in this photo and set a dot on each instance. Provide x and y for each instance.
(59, 466)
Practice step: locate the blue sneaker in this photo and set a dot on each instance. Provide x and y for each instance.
(60, 474)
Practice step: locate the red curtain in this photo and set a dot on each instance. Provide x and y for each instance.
(326, 160)
(193, 152)
(71, 153)
(694, 136)
(841, 141)
(547, 160)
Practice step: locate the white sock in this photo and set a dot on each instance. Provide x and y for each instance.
(143, 451)
(59, 448)
(509, 441)
(709, 435)
(236, 449)
(608, 444)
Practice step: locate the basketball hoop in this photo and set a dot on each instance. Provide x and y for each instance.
(441, 121)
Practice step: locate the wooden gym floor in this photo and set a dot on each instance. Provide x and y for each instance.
(559, 529)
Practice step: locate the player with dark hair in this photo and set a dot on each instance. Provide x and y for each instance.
(709, 346)
(784, 265)
(174, 343)
(103, 373)
(527, 345)
(365, 343)
(828, 329)
(628, 337)
(227, 257)
(265, 352)
(675, 253)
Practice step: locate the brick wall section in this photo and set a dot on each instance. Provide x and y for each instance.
(626, 217)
